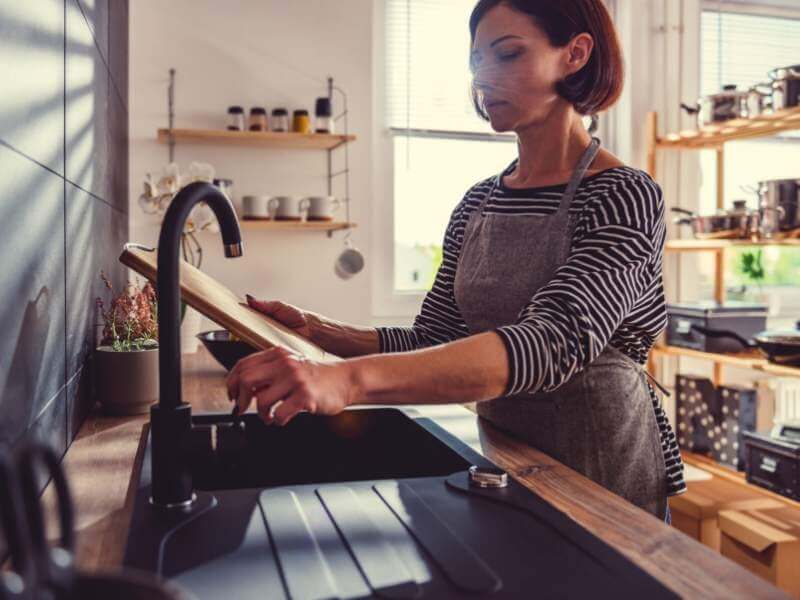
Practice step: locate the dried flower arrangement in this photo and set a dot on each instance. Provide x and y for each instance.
(156, 197)
(155, 200)
(131, 320)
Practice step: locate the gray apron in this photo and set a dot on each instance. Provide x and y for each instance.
(600, 422)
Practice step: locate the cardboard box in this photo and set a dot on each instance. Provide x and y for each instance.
(695, 511)
(765, 541)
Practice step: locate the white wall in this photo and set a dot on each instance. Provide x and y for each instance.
(266, 53)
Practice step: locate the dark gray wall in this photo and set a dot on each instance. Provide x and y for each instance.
(63, 203)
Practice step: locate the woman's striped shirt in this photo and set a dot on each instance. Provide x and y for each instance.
(609, 291)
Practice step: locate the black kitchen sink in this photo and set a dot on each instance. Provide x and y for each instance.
(371, 503)
(356, 445)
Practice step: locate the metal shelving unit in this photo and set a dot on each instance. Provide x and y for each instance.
(277, 140)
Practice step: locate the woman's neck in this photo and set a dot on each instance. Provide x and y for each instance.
(550, 150)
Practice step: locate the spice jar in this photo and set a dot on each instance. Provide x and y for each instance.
(280, 119)
(236, 115)
(301, 122)
(258, 118)
(323, 122)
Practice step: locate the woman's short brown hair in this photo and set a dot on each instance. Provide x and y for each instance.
(598, 85)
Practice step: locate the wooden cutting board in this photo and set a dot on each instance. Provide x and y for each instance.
(209, 297)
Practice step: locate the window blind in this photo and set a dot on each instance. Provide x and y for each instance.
(427, 66)
(741, 49)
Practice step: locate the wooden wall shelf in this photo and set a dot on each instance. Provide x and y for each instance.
(259, 225)
(266, 139)
(713, 136)
(745, 360)
(692, 245)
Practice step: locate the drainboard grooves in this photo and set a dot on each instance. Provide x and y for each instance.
(304, 568)
(460, 564)
(377, 559)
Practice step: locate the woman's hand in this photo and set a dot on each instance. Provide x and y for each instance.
(284, 384)
(292, 317)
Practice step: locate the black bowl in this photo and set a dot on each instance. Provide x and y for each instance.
(227, 351)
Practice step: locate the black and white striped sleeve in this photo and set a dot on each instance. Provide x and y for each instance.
(569, 321)
(439, 320)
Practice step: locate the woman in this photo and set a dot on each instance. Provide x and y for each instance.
(549, 296)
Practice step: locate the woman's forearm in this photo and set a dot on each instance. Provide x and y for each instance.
(468, 370)
(342, 339)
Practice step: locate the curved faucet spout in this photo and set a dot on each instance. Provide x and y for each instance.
(169, 300)
(170, 419)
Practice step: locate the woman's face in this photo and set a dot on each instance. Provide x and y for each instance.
(515, 68)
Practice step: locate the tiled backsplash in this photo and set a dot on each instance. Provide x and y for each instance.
(63, 203)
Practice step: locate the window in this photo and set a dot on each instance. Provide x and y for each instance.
(431, 175)
(439, 146)
(741, 48)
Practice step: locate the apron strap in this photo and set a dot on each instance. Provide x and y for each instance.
(585, 161)
(580, 171)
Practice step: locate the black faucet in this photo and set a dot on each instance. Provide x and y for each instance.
(171, 418)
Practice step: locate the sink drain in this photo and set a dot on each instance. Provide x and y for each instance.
(488, 477)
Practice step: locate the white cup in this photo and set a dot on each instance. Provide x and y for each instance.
(255, 207)
(350, 261)
(287, 208)
(321, 208)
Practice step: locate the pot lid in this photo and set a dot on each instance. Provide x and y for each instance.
(728, 91)
(779, 336)
(790, 72)
(780, 181)
(709, 306)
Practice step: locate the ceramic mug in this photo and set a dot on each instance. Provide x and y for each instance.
(321, 208)
(255, 207)
(288, 208)
(350, 261)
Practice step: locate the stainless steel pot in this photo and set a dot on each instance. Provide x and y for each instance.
(723, 106)
(779, 200)
(736, 223)
(759, 99)
(785, 87)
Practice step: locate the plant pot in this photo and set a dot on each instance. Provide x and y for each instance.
(126, 383)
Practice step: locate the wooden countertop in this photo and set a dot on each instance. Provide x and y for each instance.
(99, 467)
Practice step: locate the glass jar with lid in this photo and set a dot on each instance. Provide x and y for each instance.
(235, 118)
(301, 123)
(280, 119)
(258, 118)
(323, 120)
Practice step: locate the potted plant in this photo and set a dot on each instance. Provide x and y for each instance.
(752, 269)
(126, 361)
